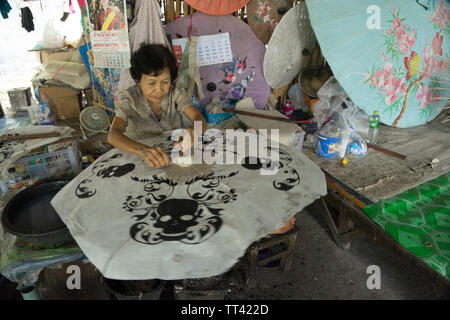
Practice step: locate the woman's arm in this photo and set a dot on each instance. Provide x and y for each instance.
(154, 157)
(195, 116)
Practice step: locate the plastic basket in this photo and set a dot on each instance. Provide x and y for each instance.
(62, 163)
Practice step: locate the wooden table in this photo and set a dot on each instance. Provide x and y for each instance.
(378, 176)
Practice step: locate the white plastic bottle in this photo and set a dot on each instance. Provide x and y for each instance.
(374, 125)
(15, 180)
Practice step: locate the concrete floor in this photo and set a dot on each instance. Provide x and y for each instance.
(322, 271)
(319, 271)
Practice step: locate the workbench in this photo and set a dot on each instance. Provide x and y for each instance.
(378, 176)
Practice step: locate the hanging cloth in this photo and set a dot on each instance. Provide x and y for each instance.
(5, 8)
(27, 19)
(146, 27)
(194, 75)
(67, 6)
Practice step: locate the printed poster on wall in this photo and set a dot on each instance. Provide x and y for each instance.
(109, 33)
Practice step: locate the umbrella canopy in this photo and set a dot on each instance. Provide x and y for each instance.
(391, 57)
(289, 48)
(264, 16)
(218, 8)
(232, 81)
(135, 223)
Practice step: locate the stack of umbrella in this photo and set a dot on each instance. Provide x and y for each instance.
(253, 69)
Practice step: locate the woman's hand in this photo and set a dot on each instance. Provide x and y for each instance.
(154, 157)
(188, 141)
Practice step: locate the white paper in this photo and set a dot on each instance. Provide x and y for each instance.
(211, 49)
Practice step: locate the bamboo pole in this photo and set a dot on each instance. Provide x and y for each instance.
(315, 57)
(185, 9)
(243, 12)
(30, 136)
(443, 77)
(178, 9)
(170, 11)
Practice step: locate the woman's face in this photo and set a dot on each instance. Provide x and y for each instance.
(156, 88)
(105, 3)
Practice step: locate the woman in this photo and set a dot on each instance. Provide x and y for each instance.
(152, 106)
(108, 17)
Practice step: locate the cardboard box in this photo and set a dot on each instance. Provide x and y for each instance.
(48, 55)
(63, 101)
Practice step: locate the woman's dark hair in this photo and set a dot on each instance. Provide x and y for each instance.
(152, 59)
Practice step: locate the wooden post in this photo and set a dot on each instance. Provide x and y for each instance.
(290, 252)
(251, 265)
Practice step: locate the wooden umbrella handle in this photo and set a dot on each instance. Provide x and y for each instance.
(386, 151)
(30, 136)
(257, 115)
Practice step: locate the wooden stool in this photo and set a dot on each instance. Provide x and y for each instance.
(285, 240)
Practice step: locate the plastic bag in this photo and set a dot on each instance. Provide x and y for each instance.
(295, 94)
(41, 114)
(331, 96)
(357, 146)
(357, 120)
(332, 139)
(52, 38)
(334, 101)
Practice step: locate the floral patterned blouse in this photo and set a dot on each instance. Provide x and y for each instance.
(142, 123)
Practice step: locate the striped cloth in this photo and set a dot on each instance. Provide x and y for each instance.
(146, 27)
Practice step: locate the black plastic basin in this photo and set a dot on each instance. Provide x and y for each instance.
(30, 215)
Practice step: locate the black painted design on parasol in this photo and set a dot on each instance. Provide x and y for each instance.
(83, 190)
(286, 177)
(103, 170)
(7, 147)
(191, 221)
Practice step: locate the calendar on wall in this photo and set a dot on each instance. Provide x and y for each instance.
(109, 34)
(211, 49)
(109, 50)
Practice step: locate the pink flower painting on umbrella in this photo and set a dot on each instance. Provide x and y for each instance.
(403, 74)
(441, 17)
